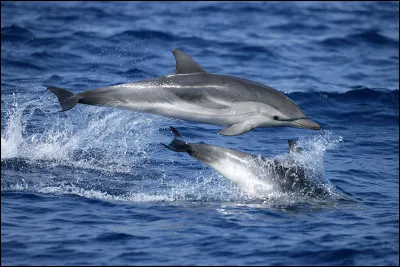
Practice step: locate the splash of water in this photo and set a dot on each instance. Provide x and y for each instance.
(316, 187)
(116, 142)
(99, 138)
(303, 173)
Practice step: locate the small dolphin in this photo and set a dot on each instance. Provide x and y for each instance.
(191, 93)
(254, 174)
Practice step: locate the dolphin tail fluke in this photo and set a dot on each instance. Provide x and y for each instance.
(177, 144)
(66, 98)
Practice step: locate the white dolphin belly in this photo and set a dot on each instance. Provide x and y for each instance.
(242, 173)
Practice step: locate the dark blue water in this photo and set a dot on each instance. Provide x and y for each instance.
(93, 185)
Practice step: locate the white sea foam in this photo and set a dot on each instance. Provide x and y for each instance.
(97, 194)
(98, 138)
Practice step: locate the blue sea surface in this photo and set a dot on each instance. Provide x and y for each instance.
(94, 186)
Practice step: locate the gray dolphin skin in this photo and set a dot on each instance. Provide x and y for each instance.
(256, 175)
(190, 93)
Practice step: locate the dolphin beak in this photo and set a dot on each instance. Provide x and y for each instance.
(308, 124)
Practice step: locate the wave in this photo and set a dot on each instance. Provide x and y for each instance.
(44, 55)
(89, 35)
(360, 98)
(15, 33)
(239, 50)
(9, 63)
(362, 106)
(143, 34)
(135, 72)
(369, 37)
(298, 26)
(228, 8)
(356, 93)
(248, 50)
(373, 37)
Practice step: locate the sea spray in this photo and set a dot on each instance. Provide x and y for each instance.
(97, 138)
(115, 143)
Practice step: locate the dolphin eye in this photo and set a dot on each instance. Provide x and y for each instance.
(276, 118)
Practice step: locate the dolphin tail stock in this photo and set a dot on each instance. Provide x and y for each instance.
(177, 144)
(66, 98)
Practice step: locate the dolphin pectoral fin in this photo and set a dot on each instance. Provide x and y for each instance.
(238, 129)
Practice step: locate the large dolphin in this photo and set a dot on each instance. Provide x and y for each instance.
(191, 93)
(259, 176)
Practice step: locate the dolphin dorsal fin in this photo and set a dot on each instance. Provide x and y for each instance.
(185, 64)
(293, 146)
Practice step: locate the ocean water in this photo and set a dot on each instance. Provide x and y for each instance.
(94, 186)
